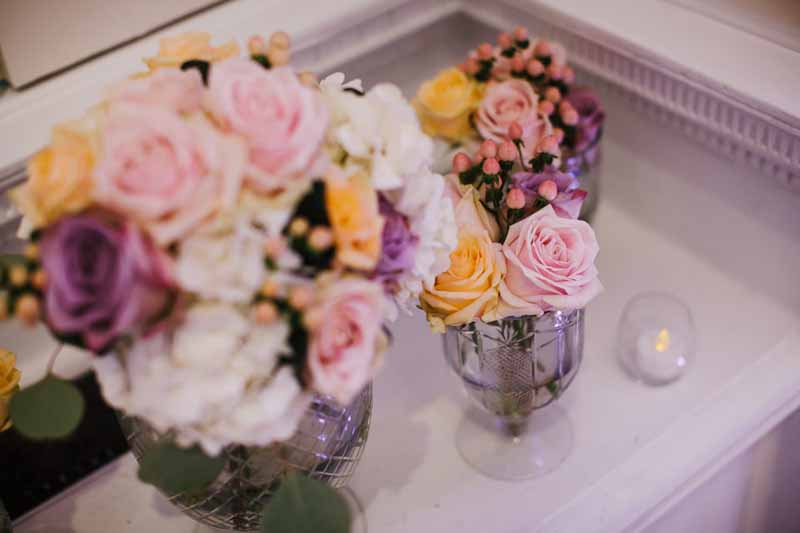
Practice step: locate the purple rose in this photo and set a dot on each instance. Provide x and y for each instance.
(398, 245)
(591, 117)
(569, 200)
(103, 279)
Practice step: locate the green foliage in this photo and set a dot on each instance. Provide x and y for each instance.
(50, 409)
(305, 505)
(174, 469)
(200, 65)
(262, 60)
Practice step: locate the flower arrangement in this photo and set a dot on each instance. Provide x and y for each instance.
(520, 95)
(522, 250)
(235, 232)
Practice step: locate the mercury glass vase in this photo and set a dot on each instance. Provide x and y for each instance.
(327, 446)
(512, 370)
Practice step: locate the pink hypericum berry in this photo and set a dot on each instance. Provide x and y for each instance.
(471, 66)
(568, 75)
(548, 190)
(570, 117)
(535, 68)
(548, 144)
(517, 64)
(552, 94)
(542, 49)
(554, 72)
(478, 158)
(265, 313)
(558, 133)
(546, 107)
(485, 51)
(275, 246)
(504, 40)
(491, 166)
(507, 151)
(515, 199)
(564, 106)
(514, 131)
(256, 45)
(488, 149)
(520, 33)
(280, 39)
(300, 297)
(461, 162)
(320, 238)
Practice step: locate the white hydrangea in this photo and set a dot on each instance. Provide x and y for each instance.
(215, 380)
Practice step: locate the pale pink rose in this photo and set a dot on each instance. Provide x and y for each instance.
(172, 88)
(345, 328)
(166, 172)
(550, 265)
(511, 101)
(283, 121)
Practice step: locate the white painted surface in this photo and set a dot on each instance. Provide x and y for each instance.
(672, 217)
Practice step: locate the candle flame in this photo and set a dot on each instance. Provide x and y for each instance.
(662, 340)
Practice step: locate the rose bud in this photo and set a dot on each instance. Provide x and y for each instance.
(18, 276)
(488, 149)
(300, 297)
(461, 163)
(554, 72)
(471, 66)
(278, 56)
(568, 75)
(256, 45)
(298, 227)
(517, 64)
(520, 33)
(507, 151)
(32, 251)
(504, 40)
(570, 118)
(552, 94)
(548, 190)
(280, 40)
(514, 131)
(485, 51)
(548, 145)
(542, 49)
(27, 309)
(39, 279)
(558, 133)
(535, 68)
(546, 107)
(265, 313)
(320, 238)
(491, 166)
(515, 199)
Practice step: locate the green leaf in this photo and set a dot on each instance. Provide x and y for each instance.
(49, 409)
(305, 505)
(174, 469)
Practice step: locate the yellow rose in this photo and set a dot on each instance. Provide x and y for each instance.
(445, 103)
(469, 288)
(352, 206)
(9, 385)
(60, 176)
(173, 51)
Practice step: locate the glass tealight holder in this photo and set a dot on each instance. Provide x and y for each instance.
(656, 338)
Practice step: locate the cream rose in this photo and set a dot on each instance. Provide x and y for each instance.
(283, 121)
(468, 289)
(511, 101)
(168, 173)
(550, 265)
(345, 345)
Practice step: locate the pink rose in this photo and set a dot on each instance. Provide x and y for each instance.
(511, 101)
(283, 121)
(550, 265)
(174, 89)
(166, 172)
(345, 329)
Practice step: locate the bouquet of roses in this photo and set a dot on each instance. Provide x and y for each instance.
(228, 237)
(522, 250)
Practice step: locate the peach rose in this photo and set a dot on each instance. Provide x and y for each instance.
(469, 288)
(512, 101)
(470, 214)
(173, 51)
(550, 265)
(445, 103)
(346, 341)
(352, 206)
(175, 89)
(167, 173)
(283, 121)
(60, 176)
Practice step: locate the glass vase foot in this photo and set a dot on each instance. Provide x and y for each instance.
(515, 451)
